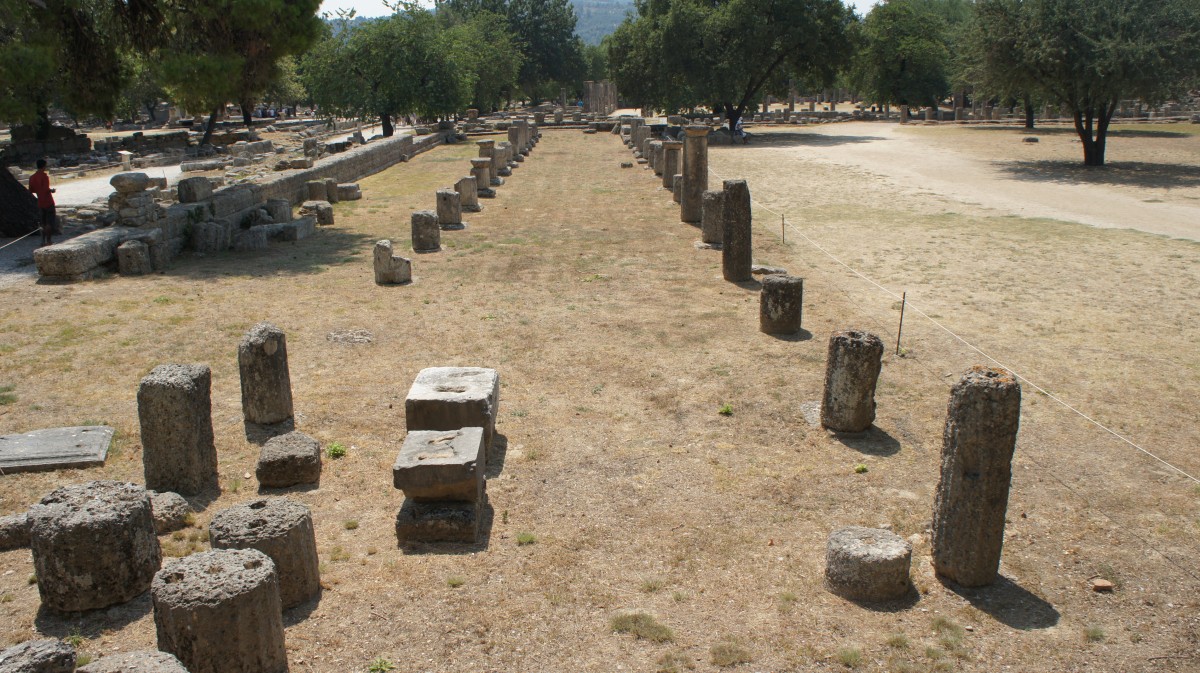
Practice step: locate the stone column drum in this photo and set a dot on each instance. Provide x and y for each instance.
(391, 269)
(514, 139)
(481, 170)
(219, 612)
(93, 545)
(656, 151)
(134, 662)
(487, 150)
(737, 246)
(868, 564)
(426, 234)
(781, 304)
(266, 383)
(677, 188)
(499, 165)
(502, 158)
(449, 209)
(281, 529)
(712, 217)
(972, 495)
(672, 162)
(468, 194)
(851, 372)
(175, 413)
(695, 172)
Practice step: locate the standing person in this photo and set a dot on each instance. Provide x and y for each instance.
(39, 184)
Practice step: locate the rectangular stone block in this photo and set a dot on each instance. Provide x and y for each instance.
(441, 465)
(438, 521)
(449, 398)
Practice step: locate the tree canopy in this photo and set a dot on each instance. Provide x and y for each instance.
(726, 53)
(1088, 56)
(903, 55)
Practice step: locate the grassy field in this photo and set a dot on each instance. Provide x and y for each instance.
(631, 525)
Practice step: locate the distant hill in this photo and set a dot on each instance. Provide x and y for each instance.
(598, 18)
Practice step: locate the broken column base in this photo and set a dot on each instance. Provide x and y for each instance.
(472, 207)
(504, 172)
(486, 193)
(496, 182)
(441, 521)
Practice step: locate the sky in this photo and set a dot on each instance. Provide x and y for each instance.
(376, 7)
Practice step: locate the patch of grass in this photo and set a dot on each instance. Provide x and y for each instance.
(861, 468)
(75, 639)
(729, 653)
(162, 300)
(6, 395)
(337, 554)
(674, 662)
(235, 485)
(1093, 634)
(83, 659)
(898, 641)
(678, 596)
(380, 665)
(350, 525)
(32, 579)
(455, 582)
(335, 450)
(6, 598)
(518, 414)
(725, 410)
(524, 539)
(643, 626)
(850, 657)
(652, 586)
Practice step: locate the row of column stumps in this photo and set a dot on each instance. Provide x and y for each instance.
(981, 421)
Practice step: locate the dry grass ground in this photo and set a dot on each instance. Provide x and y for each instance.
(620, 488)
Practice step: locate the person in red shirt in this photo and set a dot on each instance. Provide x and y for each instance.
(39, 184)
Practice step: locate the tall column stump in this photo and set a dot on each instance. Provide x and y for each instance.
(712, 217)
(672, 162)
(280, 528)
(468, 194)
(266, 383)
(695, 172)
(449, 210)
(736, 246)
(851, 373)
(426, 234)
(175, 414)
(781, 304)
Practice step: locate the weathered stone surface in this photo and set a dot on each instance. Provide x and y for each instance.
(712, 217)
(254, 238)
(481, 170)
(441, 465)
(971, 500)
(55, 449)
(219, 612)
(851, 373)
(175, 412)
(736, 245)
(391, 269)
(672, 162)
(171, 512)
(449, 209)
(781, 304)
(266, 382)
(868, 564)
(191, 190)
(135, 662)
(14, 531)
(676, 187)
(695, 172)
(289, 459)
(449, 398)
(296, 230)
(316, 190)
(38, 656)
(129, 183)
(322, 210)
(426, 234)
(468, 192)
(133, 259)
(349, 191)
(331, 190)
(282, 529)
(443, 521)
(93, 545)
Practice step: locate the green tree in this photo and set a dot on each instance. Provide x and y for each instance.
(595, 60)
(903, 57)
(141, 90)
(726, 53)
(492, 55)
(229, 50)
(1088, 56)
(286, 89)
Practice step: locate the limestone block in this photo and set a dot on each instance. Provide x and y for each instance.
(297, 230)
(468, 191)
(302, 162)
(211, 236)
(736, 245)
(449, 209)
(283, 530)
(349, 191)
(316, 190)
(219, 612)
(171, 512)
(449, 398)
(192, 190)
(444, 521)
(135, 662)
(280, 210)
(331, 190)
(133, 259)
(129, 183)
(289, 459)
(266, 382)
(38, 656)
(712, 217)
(175, 412)
(426, 234)
(391, 269)
(868, 564)
(254, 238)
(14, 531)
(232, 200)
(93, 545)
(322, 210)
(851, 373)
(438, 465)
(781, 304)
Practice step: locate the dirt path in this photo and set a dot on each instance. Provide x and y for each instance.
(915, 162)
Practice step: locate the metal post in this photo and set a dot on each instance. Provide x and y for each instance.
(900, 330)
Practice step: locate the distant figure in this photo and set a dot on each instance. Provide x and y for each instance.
(739, 131)
(39, 184)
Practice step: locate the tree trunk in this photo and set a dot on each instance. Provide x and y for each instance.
(247, 116)
(1028, 114)
(385, 120)
(150, 109)
(208, 128)
(1093, 147)
(732, 114)
(42, 125)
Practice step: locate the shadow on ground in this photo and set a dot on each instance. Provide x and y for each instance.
(1116, 173)
(1010, 604)
(1070, 131)
(874, 442)
(92, 623)
(794, 139)
(327, 247)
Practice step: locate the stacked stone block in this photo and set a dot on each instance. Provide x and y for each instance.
(442, 475)
(175, 413)
(283, 530)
